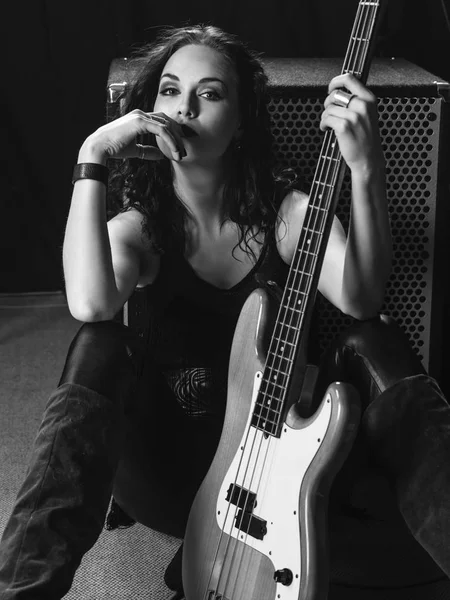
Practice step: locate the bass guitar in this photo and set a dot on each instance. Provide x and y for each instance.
(257, 526)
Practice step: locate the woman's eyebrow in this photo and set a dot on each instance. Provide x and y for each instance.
(203, 80)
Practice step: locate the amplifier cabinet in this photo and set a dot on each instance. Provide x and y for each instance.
(413, 121)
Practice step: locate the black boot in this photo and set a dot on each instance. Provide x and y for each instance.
(172, 574)
(404, 436)
(60, 509)
(408, 428)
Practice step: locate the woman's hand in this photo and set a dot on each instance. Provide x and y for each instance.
(356, 126)
(117, 139)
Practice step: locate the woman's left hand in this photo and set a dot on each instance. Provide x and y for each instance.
(356, 127)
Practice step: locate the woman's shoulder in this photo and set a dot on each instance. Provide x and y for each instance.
(291, 216)
(294, 201)
(130, 229)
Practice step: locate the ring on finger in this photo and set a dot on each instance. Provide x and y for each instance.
(158, 119)
(141, 151)
(342, 98)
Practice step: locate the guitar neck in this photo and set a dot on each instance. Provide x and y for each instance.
(301, 287)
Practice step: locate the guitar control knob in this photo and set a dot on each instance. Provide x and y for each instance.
(283, 576)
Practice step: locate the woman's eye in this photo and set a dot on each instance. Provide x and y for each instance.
(211, 95)
(168, 91)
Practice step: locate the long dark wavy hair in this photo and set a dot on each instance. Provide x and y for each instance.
(250, 190)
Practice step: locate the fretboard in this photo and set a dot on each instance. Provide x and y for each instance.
(301, 285)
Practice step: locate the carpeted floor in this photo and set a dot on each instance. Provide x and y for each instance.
(35, 333)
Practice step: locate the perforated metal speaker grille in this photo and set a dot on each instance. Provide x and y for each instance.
(409, 128)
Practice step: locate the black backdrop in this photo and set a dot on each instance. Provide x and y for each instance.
(56, 57)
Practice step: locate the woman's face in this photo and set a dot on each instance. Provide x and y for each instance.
(198, 88)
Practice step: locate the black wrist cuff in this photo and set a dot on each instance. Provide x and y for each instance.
(90, 171)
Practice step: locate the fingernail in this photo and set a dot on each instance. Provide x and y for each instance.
(157, 119)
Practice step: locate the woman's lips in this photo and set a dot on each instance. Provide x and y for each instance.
(188, 131)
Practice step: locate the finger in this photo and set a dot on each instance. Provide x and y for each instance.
(356, 103)
(159, 118)
(165, 134)
(340, 123)
(160, 128)
(352, 84)
(348, 114)
(148, 152)
(172, 126)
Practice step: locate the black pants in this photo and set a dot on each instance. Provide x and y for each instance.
(88, 439)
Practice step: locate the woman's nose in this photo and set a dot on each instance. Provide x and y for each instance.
(187, 107)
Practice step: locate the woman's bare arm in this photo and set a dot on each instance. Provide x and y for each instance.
(103, 262)
(356, 268)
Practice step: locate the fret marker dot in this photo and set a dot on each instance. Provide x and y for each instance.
(308, 241)
(282, 348)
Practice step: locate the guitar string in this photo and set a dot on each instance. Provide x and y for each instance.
(259, 418)
(244, 546)
(261, 441)
(229, 507)
(329, 141)
(258, 491)
(331, 138)
(244, 549)
(230, 536)
(321, 178)
(369, 34)
(362, 36)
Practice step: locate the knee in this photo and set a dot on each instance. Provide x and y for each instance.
(102, 354)
(382, 348)
(381, 336)
(380, 332)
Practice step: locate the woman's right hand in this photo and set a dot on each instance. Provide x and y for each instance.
(117, 139)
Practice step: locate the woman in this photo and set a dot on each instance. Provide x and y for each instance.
(203, 223)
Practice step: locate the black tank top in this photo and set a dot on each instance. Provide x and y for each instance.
(193, 323)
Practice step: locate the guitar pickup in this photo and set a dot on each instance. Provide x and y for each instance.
(241, 497)
(251, 525)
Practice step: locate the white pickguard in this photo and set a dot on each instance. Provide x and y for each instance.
(273, 469)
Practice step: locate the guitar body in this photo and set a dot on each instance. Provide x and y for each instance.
(257, 527)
